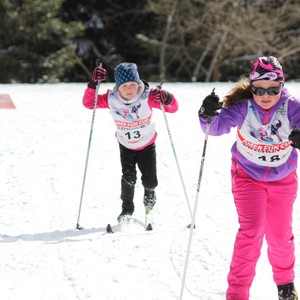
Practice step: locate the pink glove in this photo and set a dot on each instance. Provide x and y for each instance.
(162, 96)
(99, 74)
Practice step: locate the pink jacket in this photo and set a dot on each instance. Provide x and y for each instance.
(135, 130)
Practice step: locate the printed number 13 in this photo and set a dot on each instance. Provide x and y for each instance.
(135, 135)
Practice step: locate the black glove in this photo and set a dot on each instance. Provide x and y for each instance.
(210, 105)
(295, 137)
(98, 75)
(162, 96)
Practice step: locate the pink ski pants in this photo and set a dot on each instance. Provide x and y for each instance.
(264, 209)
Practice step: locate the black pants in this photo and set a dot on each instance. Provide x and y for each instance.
(146, 161)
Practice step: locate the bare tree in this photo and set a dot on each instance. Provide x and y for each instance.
(207, 40)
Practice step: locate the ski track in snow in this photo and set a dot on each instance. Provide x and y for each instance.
(43, 150)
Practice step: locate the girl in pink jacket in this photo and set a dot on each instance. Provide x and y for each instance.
(130, 104)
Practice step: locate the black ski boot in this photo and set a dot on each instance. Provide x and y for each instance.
(127, 194)
(287, 292)
(127, 211)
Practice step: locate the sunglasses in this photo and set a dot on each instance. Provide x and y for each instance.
(272, 91)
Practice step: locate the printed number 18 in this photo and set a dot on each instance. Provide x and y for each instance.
(272, 158)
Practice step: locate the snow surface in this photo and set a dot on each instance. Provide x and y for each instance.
(42, 157)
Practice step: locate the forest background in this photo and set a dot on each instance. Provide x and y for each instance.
(170, 40)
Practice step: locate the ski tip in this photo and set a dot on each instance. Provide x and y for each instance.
(109, 229)
(149, 227)
(190, 225)
(78, 227)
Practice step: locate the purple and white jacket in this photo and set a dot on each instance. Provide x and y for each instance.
(262, 147)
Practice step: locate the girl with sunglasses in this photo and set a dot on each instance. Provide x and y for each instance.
(264, 178)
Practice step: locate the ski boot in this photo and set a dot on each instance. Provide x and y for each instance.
(126, 214)
(287, 292)
(149, 202)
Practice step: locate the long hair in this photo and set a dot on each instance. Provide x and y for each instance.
(239, 93)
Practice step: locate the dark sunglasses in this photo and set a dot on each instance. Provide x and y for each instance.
(272, 91)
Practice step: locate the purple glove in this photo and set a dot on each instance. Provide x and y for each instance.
(162, 96)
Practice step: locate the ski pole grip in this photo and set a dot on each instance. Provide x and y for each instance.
(98, 63)
(159, 86)
(209, 117)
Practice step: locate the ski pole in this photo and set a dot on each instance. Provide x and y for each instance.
(88, 148)
(174, 152)
(196, 203)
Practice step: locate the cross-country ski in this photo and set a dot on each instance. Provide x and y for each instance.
(131, 225)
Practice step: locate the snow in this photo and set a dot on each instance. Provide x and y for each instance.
(43, 256)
